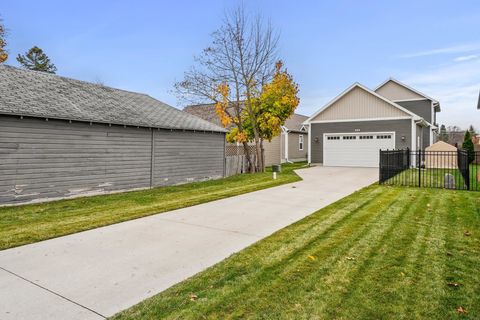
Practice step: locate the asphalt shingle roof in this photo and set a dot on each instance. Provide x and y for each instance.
(40, 94)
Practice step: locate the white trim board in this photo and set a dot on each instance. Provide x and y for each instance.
(358, 85)
(309, 148)
(406, 100)
(360, 120)
(360, 133)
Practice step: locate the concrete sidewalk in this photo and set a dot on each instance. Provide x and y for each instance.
(97, 273)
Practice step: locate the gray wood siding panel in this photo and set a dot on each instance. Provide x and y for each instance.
(40, 159)
(294, 152)
(423, 108)
(272, 151)
(400, 127)
(182, 157)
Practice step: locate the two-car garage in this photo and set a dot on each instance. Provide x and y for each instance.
(351, 129)
(355, 149)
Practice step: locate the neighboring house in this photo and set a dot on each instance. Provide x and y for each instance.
(290, 145)
(61, 137)
(352, 128)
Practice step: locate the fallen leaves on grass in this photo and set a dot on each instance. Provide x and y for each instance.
(467, 233)
(350, 258)
(312, 258)
(453, 284)
(461, 310)
(193, 297)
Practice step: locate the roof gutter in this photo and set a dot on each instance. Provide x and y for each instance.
(421, 122)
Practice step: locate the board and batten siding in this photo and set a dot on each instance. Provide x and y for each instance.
(402, 128)
(42, 159)
(393, 91)
(359, 104)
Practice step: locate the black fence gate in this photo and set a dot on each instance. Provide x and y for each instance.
(430, 169)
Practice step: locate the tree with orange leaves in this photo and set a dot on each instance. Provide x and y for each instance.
(231, 73)
(3, 43)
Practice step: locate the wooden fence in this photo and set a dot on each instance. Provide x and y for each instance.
(236, 161)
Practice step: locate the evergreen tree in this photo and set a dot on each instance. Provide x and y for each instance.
(3, 43)
(472, 131)
(468, 146)
(443, 135)
(36, 59)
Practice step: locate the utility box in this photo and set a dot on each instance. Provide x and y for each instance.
(276, 168)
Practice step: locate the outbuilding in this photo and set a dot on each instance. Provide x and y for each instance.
(61, 137)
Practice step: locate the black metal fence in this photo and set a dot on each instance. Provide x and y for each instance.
(458, 170)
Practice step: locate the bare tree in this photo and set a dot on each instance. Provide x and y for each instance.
(242, 57)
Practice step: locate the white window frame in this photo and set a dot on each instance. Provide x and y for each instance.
(301, 142)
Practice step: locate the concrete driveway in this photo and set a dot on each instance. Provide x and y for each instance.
(97, 273)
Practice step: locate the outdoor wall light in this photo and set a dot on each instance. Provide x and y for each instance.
(316, 139)
(403, 138)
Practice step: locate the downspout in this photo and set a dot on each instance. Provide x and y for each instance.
(286, 147)
(309, 147)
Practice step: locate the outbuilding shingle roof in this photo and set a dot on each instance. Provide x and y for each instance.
(207, 112)
(40, 94)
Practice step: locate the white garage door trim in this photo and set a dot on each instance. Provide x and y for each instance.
(352, 153)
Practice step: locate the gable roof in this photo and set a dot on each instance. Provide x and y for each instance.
(207, 112)
(204, 111)
(413, 91)
(40, 94)
(295, 123)
(358, 85)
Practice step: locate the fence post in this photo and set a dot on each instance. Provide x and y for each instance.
(467, 180)
(419, 169)
(380, 166)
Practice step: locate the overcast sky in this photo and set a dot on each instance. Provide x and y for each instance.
(146, 46)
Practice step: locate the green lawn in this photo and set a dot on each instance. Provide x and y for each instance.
(381, 253)
(435, 178)
(31, 223)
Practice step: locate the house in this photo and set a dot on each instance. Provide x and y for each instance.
(61, 137)
(289, 146)
(352, 128)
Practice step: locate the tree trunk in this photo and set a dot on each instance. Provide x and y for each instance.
(258, 150)
(263, 154)
(248, 156)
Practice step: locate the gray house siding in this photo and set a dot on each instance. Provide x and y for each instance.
(49, 159)
(273, 151)
(420, 141)
(400, 127)
(294, 152)
(423, 108)
(182, 157)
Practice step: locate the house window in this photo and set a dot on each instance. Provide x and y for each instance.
(300, 142)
